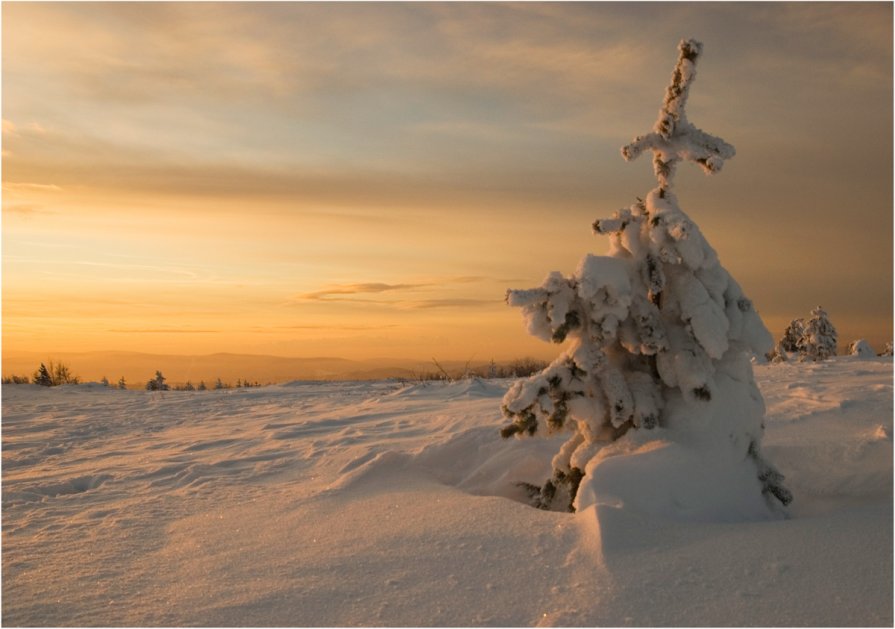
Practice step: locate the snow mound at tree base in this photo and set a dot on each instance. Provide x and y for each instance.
(673, 481)
(697, 468)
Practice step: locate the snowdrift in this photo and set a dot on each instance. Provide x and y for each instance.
(377, 503)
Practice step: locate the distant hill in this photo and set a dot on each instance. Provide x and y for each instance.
(137, 367)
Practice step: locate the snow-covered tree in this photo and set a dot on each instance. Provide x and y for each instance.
(789, 343)
(819, 337)
(122, 384)
(201, 386)
(792, 336)
(861, 349)
(660, 335)
(887, 351)
(104, 381)
(778, 354)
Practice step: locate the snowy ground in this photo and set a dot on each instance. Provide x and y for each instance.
(381, 504)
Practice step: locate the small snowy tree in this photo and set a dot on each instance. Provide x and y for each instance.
(777, 355)
(861, 349)
(819, 337)
(887, 351)
(792, 336)
(104, 381)
(201, 386)
(660, 334)
(122, 384)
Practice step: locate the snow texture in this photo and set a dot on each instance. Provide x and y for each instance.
(377, 504)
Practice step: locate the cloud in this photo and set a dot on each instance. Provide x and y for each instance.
(453, 303)
(25, 209)
(362, 293)
(24, 186)
(467, 279)
(162, 331)
(332, 293)
(119, 169)
(339, 327)
(155, 271)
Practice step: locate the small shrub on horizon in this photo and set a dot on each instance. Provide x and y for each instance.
(15, 380)
(54, 375)
(157, 383)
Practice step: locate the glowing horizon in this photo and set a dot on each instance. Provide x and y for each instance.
(363, 180)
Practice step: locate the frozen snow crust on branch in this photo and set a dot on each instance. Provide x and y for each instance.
(656, 386)
(673, 137)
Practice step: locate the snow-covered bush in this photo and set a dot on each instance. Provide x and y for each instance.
(819, 337)
(657, 371)
(861, 349)
(888, 349)
(814, 339)
(778, 354)
(792, 336)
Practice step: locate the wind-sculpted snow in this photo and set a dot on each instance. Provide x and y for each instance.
(379, 503)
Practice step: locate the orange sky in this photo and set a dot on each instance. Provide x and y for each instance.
(367, 180)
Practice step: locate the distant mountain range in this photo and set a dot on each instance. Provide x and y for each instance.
(137, 368)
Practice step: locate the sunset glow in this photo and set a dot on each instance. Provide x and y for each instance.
(367, 180)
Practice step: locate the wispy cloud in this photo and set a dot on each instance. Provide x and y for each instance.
(348, 292)
(452, 303)
(162, 331)
(25, 209)
(405, 296)
(335, 292)
(330, 326)
(17, 186)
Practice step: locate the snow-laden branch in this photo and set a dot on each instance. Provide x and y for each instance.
(673, 137)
